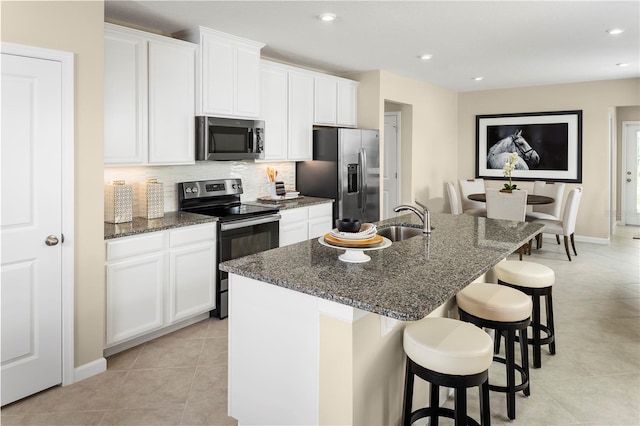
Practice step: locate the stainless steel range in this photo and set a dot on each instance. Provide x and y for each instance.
(243, 229)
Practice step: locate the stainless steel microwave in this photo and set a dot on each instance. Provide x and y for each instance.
(229, 139)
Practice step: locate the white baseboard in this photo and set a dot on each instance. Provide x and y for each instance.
(583, 239)
(90, 369)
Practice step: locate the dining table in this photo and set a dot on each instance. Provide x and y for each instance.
(532, 199)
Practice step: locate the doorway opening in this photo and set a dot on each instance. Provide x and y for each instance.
(396, 179)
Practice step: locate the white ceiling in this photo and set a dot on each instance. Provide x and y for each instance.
(509, 43)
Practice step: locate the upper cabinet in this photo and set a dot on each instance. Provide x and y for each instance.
(287, 110)
(335, 101)
(148, 98)
(228, 74)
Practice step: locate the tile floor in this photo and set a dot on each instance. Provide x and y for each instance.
(181, 378)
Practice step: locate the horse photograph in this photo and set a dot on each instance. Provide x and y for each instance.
(548, 145)
(539, 146)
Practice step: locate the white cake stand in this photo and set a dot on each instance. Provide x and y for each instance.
(355, 255)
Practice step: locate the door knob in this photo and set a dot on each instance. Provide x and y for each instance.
(628, 179)
(628, 173)
(51, 240)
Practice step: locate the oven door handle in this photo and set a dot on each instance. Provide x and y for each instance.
(249, 222)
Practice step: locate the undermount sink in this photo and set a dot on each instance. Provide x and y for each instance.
(399, 232)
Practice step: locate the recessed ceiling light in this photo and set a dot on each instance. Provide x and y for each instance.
(615, 31)
(479, 78)
(425, 57)
(622, 64)
(327, 17)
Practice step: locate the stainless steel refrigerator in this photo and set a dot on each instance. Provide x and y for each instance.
(345, 167)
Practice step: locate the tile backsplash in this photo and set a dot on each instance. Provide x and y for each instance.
(253, 175)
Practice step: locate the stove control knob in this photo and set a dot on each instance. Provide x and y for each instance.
(194, 189)
(187, 189)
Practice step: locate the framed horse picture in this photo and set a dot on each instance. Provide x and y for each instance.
(548, 144)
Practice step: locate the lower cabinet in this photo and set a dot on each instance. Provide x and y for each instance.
(155, 280)
(303, 223)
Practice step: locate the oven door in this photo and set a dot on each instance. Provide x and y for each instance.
(242, 238)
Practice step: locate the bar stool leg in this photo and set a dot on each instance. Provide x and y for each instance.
(408, 396)
(550, 326)
(485, 411)
(524, 353)
(535, 325)
(460, 407)
(511, 374)
(434, 402)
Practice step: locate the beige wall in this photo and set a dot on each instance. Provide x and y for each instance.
(432, 154)
(594, 99)
(77, 27)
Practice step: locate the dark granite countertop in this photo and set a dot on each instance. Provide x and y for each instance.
(140, 225)
(303, 201)
(405, 281)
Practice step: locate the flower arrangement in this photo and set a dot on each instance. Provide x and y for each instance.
(508, 168)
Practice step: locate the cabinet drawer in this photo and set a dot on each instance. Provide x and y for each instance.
(294, 215)
(134, 246)
(193, 234)
(320, 211)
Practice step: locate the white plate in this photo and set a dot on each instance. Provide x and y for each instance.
(369, 233)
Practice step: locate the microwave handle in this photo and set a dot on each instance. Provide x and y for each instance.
(252, 140)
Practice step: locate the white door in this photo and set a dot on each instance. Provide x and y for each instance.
(631, 177)
(390, 179)
(31, 271)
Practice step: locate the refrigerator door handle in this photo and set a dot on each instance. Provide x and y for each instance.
(363, 181)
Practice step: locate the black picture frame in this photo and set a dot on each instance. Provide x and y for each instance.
(555, 137)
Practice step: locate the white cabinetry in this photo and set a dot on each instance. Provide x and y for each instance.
(303, 223)
(320, 219)
(228, 82)
(287, 110)
(149, 98)
(335, 101)
(300, 116)
(192, 269)
(135, 286)
(155, 280)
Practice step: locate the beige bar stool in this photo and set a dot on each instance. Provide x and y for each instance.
(450, 353)
(507, 311)
(537, 281)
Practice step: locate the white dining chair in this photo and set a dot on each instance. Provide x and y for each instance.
(472, 186)
(508, 206)
(552, 211)
(567, 226)
(454, 198)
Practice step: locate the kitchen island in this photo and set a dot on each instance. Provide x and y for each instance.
(314, 340)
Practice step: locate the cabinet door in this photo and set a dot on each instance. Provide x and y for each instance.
(134, 297)
(347, 103)
(294, 226)
(247, 83)
(193, 280)
(217, 76)
(125, 94)
(273, 99)
(324, 112)
(171, 103)
(300, 116)
(320, 220)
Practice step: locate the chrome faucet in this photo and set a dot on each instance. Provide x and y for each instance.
(424, 215)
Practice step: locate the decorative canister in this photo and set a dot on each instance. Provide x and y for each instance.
(150, 199)
(118, 202)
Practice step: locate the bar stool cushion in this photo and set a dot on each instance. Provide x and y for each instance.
(525, 274)
(494, 302)
(448, 346)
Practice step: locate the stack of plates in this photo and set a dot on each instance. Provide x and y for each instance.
(364, 238)
(366, 232)
(291, 194)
